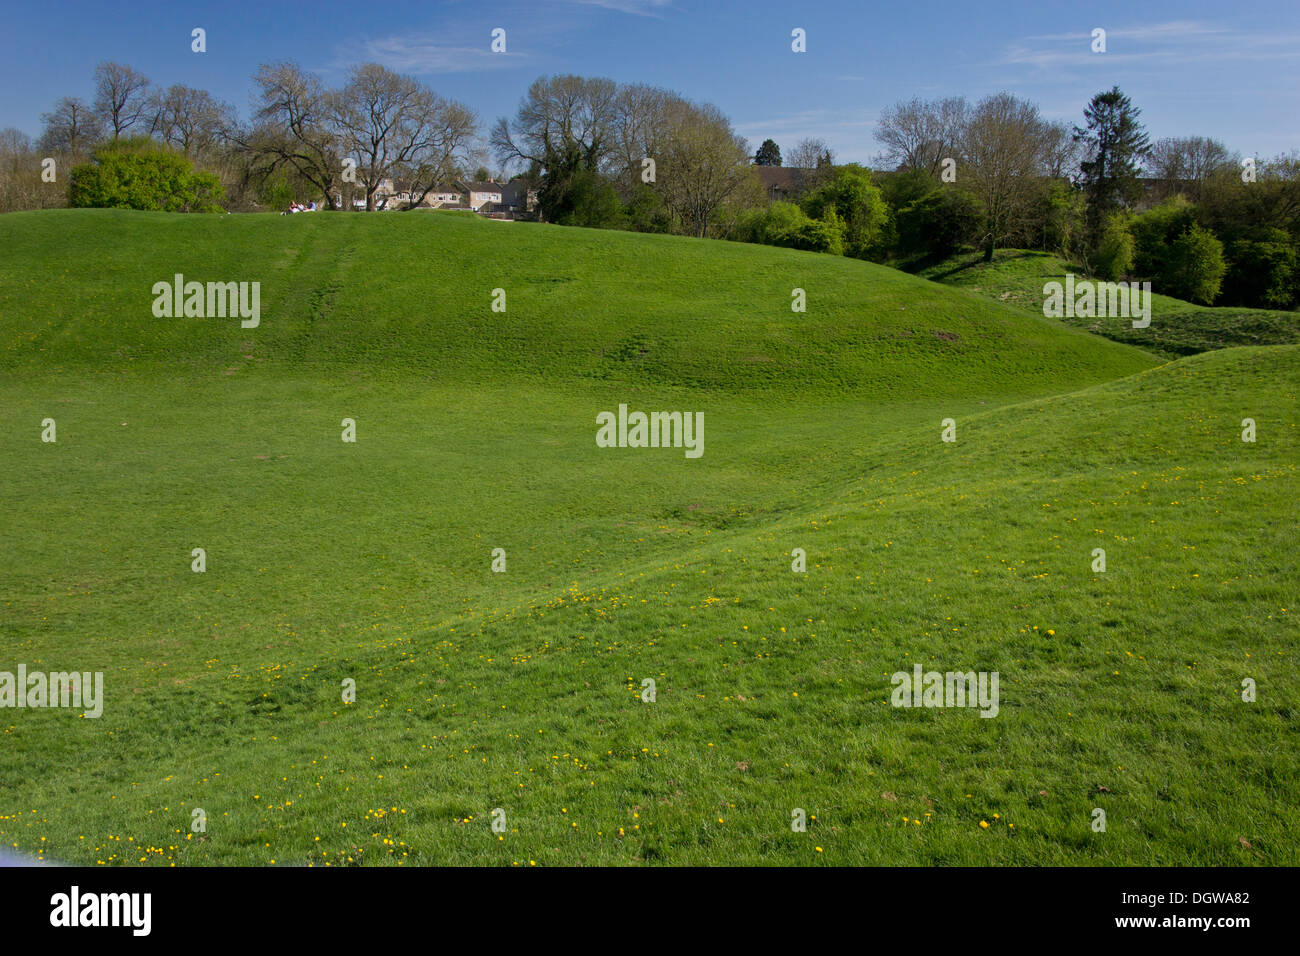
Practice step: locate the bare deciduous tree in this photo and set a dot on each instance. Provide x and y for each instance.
(192, 120)
(14, 146)
(1186, 163)
(703, 162)
(394, 124)
(561, 116)
(1060, 153)
(810, 153)
(814, 158)
(567, 126)
(640, 124)
(121, 96)
(71, 127)
(1002, 149)
(22, 185)
(563, 132)
(920, 134)
(292, 127)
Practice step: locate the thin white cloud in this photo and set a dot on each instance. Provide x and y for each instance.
(1019, 54)
(1171, 30)
(819, 122)
(1148, 45)
(422, 54)
(640, 8)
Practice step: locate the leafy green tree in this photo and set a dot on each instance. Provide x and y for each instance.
(1235, 210)
(646, 212)
(851, 195)
(1114, 258)
(769, 154)
(785, 224)
(276, 192)
(1263, 272)
(936, 225)
(141, 174)
(553, 200)
(763, 225)
(1196, 266)
(906, 186)
(1060, 219)
(584, 198)
(1154, 233)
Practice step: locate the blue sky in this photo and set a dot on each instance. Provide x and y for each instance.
(1231, 71)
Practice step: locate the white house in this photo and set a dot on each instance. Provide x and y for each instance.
(482, 193)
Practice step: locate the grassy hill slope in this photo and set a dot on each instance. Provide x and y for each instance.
(521, 690)
(413, 294)
(1017, 276)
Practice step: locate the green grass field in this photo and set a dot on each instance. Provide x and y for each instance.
(1178, 328)
(521, 690)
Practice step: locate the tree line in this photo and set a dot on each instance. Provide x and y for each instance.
(304, 140)
(1200, 221)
